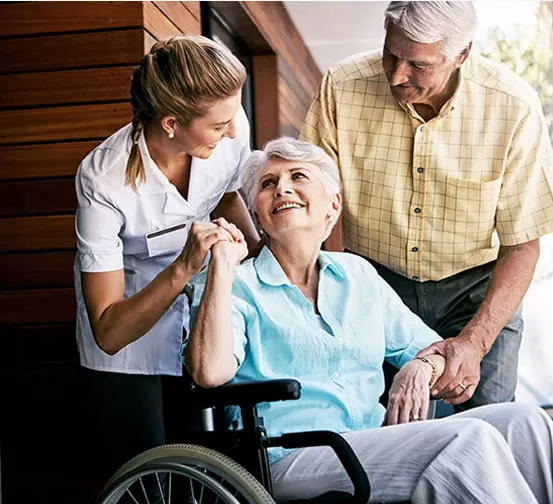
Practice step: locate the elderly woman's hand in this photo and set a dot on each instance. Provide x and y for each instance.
(410, 393)
(202, 236)
(233, 251)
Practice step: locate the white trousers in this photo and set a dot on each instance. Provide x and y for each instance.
(496, 454)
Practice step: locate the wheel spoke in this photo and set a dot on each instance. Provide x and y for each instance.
(159, 488)
(192, 490)
(144, 490)
(132, 496)
(201, 494)
(169, 493)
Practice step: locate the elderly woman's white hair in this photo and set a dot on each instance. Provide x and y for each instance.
(289, 149)
(454, 23)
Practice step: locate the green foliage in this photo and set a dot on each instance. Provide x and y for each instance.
(528, 52)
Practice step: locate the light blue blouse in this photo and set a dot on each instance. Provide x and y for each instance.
(336, 356)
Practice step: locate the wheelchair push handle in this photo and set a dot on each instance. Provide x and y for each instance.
(344, 452)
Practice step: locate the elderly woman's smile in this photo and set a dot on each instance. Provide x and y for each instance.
(288, 205)
(291, 195)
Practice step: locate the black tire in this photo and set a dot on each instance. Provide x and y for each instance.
(216, 468)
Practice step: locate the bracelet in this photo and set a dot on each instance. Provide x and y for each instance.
(432, 365)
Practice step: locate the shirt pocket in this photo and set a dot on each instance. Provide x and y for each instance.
(167, 241)
(470, 207)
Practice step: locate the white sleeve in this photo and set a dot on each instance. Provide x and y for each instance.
(97, 225)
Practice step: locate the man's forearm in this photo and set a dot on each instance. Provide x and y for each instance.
(233, 208)
(510, 281)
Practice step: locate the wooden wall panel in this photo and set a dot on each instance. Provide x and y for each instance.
(37, 197)
(181, 16)
(25, 307)
(157, 23)
(33, 18)
(74, 50)
(91, 85)
(194, 9)
(50, 232)
(62, 123)
(266, 99)
(36, 270)
(65, 78)
(42, 160)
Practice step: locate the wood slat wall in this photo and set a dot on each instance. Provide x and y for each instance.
(65, 79)
(298, 74)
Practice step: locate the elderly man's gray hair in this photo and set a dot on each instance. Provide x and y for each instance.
(454, 23)
(288, 149)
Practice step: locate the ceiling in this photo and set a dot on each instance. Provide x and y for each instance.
(337, 29)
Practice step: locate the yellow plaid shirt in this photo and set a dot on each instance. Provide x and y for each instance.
(431, 199)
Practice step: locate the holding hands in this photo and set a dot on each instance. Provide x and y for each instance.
(224, 240)
(462, 373)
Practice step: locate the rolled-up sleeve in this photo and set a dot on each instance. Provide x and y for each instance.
(406, 334)
(97, 226)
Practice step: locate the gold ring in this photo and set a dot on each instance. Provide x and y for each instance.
(464, 387)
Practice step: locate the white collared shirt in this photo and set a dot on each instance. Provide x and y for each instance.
(142, 232)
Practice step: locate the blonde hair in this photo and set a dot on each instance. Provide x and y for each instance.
(182, 77)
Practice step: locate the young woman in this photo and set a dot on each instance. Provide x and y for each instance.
(138, 194)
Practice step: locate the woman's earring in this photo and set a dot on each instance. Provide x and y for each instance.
(171, 135)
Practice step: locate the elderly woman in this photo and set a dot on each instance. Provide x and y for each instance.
(297, 312)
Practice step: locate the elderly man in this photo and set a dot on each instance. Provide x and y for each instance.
(447, 171)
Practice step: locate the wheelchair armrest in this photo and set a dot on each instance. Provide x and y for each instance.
(248, 393)
(344, 452)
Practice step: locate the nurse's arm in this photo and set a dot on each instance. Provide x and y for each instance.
(115, 321)
(233, 208)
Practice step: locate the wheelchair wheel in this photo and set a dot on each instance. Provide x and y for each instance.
(185, 474)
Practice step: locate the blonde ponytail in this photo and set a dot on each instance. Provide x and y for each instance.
(134, 173)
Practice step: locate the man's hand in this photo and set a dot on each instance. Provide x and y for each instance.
(462, 369)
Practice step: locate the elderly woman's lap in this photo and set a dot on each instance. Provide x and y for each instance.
(490, 454)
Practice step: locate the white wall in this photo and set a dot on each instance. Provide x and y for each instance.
(334, 30)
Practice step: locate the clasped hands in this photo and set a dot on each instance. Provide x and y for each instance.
(224, 240)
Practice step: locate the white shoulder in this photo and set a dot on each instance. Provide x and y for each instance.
(105, 164)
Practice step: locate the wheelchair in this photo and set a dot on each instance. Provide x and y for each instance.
(228, 466)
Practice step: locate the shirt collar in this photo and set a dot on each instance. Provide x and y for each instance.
(270, 272)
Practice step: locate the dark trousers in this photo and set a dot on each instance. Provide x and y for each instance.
(447, 306)
(133, 413)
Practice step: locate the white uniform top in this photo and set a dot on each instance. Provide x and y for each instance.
(142, 232)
